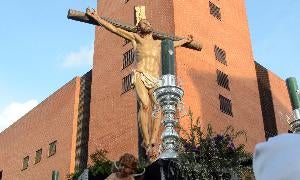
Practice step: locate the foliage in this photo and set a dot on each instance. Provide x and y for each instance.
(74, 176)
(101, 164)
(210, 155)
(142, 164)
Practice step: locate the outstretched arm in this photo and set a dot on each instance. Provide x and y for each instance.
(118, 31)
(181, 42)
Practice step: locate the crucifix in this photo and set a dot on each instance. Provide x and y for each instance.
(147, 46)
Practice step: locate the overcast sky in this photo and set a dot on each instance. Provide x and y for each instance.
(40, 50)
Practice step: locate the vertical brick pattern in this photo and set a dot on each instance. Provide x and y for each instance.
(266, 101)
(281, 102)
(81, 157)
(52, 120)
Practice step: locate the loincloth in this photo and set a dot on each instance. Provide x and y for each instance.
(148, 80)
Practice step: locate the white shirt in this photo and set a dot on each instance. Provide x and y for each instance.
(278, 158)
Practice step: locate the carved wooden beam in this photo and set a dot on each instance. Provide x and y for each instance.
(82, 17)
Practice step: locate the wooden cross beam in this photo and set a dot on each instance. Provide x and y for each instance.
(82, 17)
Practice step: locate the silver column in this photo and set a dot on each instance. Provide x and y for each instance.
(295, 123)
(168, 95)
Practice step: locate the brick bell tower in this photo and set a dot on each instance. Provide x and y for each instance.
(220, 81)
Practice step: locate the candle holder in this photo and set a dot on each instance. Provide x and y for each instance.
(168, 95)
(295, 102)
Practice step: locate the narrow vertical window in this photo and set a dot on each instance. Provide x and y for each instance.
(225, 105)
(215, 10)
(25, 162)
(38, 156)
(223, 80)
(1, 172)
(220, 55)
(128, 58)
(126, 83)
(52, 148)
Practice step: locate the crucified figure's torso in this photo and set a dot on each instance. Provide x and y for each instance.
(146, 73)
(148, 54)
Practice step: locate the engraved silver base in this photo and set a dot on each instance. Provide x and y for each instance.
(295, 124)
(168, 95)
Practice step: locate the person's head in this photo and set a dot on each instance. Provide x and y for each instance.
(144, 27)
(127, 165)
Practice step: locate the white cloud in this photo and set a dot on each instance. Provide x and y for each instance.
(14, 111)
(78, 58)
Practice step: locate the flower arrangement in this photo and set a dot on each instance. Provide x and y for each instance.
(211, 155)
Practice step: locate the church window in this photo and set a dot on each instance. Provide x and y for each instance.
(220, 55)
(25, 162)
(128, 58)
(126, 83)
(38, 156)
(225, 105)
(215, 10)
(52, 148)
(223, 79)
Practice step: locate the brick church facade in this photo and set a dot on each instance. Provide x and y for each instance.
(223, 86)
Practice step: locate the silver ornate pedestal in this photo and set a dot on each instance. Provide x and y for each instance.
(295, 123)
(168, 95)
(294, 94)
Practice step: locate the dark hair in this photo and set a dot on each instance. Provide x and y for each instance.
(138, 27)
(128, 160)
(142, 20)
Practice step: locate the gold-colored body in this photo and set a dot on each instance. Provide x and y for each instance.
(148, 59)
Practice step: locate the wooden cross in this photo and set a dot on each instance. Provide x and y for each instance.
(82, 17)
(140, 13)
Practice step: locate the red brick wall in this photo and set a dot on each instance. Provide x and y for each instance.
(281, 101)
(51, 120)
(197, 70)
(113, 123)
